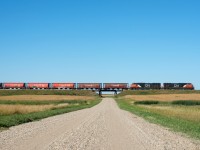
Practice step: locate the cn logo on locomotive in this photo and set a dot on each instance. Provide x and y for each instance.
(147, 85)
(176, 85)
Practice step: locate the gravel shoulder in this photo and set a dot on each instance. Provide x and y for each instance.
(104, 126)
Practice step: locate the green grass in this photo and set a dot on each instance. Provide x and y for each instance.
(146, 102)
(16, 119)
(187, 103)
(180, 125)
(46, 102)
(47, 92)
(154, 92)
(175, 102)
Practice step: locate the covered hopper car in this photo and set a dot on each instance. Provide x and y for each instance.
(115, 86)
(13, 85)
(37, 85)
(63, 85)
(88, 85)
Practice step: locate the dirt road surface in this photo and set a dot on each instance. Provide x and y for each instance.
(104, 126)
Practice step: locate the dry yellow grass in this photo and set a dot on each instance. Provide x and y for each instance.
(191, 113)
(45, 97)
(164, 97)
(62, 105)
(24, 109)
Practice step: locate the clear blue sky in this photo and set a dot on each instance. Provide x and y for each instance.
(100, 41)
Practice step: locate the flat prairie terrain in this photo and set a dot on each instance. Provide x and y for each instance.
(22, 109)
(25, 109)
(18, 109)
(103, 126)
(164, 97)
(179, 112)
(190, 113)
(45, 97)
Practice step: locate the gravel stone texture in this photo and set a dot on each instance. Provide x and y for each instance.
(103, 127)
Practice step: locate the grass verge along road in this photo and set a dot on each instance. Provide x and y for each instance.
(18, 109)
(179, 115)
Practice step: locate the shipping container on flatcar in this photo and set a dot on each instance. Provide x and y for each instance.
(145, 86)
(63, 85)
(89, 85)
(13, 85)
(37, 85)
(112, 86)
(183, 86)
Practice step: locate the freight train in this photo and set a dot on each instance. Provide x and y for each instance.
(99, 86)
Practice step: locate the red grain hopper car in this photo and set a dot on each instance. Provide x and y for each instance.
(115, 85)
(63, 86)
(88, 85)
(13, 85)
(37, 85)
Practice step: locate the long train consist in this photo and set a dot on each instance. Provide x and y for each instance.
(99, 86)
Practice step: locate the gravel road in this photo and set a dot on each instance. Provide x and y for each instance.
(104, 126)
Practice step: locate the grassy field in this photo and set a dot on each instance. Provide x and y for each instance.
(17, 109)
(179, 112)
(164, 97)
(191, 113)
(44, 97)
(47, 92)
(155, 92)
